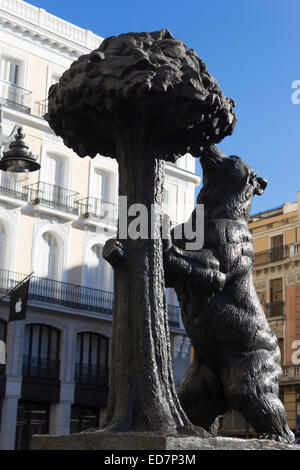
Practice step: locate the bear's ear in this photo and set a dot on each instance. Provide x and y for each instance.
(261, 184)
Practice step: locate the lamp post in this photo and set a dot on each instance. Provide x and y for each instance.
(18, 159)
(5, 139)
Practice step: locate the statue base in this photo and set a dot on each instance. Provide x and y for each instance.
(101, 440)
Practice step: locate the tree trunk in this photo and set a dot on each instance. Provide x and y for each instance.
(142, 394)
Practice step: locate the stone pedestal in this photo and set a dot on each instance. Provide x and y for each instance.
(100, 440)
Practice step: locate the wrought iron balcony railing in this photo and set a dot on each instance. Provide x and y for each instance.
(275, 309)
(91, 374)
(11, 188)
(40, 108)
(174, 315)
(60, 293)
(274, 255)
(71, 295)
(98, 210)
(291, 373)
(40, 367)
(14, 96)
(52, 196)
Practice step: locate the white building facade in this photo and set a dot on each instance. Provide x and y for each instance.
(55, 224)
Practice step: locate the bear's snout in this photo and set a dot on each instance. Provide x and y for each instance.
(261, 184)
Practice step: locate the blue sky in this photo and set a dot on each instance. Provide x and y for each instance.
(250, 46)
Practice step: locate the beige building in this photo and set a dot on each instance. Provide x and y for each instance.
(54, 224)
(276, 235)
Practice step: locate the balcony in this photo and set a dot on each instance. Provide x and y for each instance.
(174, 315)
(40, 108)
(291, 374)
(53, 197)
(42, 368)
(64, 294)
(77, 297)
(91, 374)
(98, 210)
(272, 256)
(15, 97)
(12, 188)
(40, 379)
(275, 309)
(277, 254)
(91, 385)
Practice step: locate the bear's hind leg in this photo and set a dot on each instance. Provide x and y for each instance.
(267, 416)
(251, 388)
(201, 396)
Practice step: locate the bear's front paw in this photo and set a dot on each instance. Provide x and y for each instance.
(211, 279)
(219, 280)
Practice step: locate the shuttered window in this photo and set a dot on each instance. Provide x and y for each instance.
(9, 70)
(97, 270)
(50, 257)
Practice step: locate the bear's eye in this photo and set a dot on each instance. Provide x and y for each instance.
(251, 176)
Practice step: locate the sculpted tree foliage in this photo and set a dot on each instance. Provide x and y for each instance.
(142, 98)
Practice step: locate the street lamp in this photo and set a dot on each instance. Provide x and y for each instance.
(18, 159)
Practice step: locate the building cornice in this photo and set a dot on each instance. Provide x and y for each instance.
(182, 173)
(37, 25)
(284, 267)
(279, 228)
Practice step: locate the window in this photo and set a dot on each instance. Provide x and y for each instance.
(276, 290)
(3, 247)
(277, 248)
(50, 257)
(10, 70)
(166, 200)
(3, 333)
(281, 347)
(12, 80)
(83, 418)
(171, 296)
(32, 418)
(276, 306)
(54, 79)
(53, 188)
(53, 76)
(54, 170)
(183, 212)
(101, 185)
(3, 330)
(53, 179)
(41, 352)
(170, 201)
(91, 359)
(101, 204)
(99, 271)
(234, 422)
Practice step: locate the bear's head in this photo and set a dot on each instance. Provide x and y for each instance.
(229, 185)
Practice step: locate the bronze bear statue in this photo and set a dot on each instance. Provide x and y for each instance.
(236, 361)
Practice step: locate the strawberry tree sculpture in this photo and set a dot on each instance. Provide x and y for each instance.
(143, 99)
